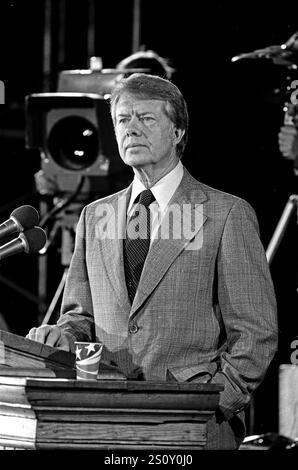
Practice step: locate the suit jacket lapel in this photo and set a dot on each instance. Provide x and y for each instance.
(189, 198)
(112, 247)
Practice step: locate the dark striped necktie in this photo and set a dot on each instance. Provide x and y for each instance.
(137, 242)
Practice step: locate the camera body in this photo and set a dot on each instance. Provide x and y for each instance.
(75, 135)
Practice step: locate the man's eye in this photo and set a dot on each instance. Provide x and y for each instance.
(147, 118)
(122, 120)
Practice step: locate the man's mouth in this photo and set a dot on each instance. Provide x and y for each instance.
(134, 145)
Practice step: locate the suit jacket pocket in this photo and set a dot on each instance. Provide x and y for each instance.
(201, 373)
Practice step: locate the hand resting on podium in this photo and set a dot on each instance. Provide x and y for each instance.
(51, 335)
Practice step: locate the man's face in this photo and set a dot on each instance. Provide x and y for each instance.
(144, 133)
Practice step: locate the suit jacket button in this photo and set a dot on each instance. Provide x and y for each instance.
(133, 328)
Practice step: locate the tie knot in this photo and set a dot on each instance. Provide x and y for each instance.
(146, 197)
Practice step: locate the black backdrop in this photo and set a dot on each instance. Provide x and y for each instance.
(235, 109)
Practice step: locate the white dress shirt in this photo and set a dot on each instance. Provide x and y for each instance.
(163, 191)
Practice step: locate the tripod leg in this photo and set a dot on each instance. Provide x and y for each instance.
(55, 298)
(281, 228)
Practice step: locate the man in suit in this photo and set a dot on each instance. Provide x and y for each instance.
(187, 298)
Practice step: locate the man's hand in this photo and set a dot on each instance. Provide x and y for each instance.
(288, 142)
(51, 335)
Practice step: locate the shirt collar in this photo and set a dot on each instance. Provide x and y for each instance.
(163, 190)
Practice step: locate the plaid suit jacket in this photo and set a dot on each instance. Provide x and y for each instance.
(205, 307)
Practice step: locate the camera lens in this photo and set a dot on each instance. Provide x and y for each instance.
(73, 143)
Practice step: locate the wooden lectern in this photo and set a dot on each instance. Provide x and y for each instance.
(22, 353)
(43, 411)
(20, 356)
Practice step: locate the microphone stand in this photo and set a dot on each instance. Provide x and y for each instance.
(55, 300)
(65, 223)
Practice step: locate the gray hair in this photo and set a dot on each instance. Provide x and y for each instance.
(152, 87)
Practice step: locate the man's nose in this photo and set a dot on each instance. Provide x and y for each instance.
(131, 131)
(132, 128)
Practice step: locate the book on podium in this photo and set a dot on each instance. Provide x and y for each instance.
(21, 356)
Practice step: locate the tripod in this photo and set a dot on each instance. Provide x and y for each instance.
(278, 234)
(65, 223)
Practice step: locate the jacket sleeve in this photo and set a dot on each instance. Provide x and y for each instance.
(247, 303)
(76, 319)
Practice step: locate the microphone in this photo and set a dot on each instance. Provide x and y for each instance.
(22, 218)
(29, 241)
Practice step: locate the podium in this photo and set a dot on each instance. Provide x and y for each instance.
(19, 352)
(54, 413)
(43, 406)
(23, 357)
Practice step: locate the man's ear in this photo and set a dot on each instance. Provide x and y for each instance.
(178, 133)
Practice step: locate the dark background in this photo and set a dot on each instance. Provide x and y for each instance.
(236, 110)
